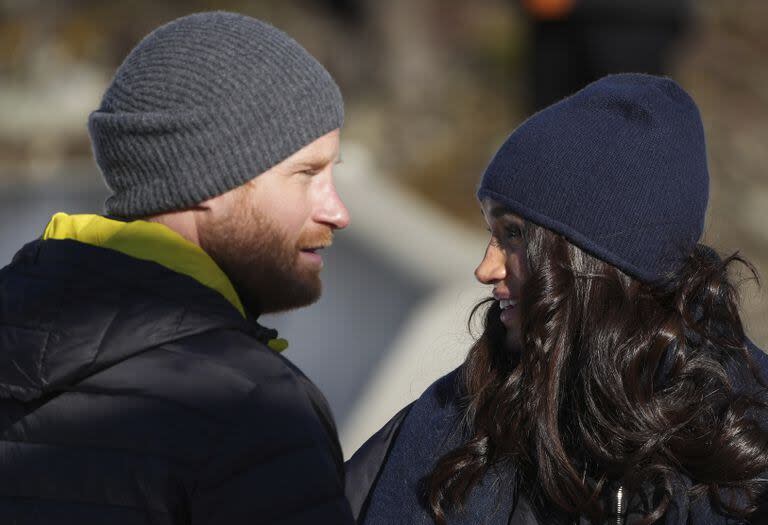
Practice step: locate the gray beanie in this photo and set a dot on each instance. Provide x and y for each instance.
(202, 105)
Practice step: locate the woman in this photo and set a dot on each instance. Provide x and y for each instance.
(613, 382)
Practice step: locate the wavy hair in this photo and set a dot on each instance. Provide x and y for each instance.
(617, 382)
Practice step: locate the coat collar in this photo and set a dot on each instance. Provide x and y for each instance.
(148, 241)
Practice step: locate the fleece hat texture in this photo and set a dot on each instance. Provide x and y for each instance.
(202, 105)
(619, 169)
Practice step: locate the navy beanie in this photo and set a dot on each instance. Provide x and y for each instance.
(619, 169)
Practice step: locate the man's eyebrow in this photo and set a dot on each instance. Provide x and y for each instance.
(314, 164)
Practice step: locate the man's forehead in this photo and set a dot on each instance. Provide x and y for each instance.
(321, 152)
(316, 157)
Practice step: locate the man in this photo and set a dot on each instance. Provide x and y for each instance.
(135, 384)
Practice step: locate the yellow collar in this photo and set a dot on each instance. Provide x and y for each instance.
(149, 241)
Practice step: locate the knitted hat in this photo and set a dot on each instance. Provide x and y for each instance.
(202, 105)
(619, 168)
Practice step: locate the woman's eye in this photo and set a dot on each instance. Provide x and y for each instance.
(513, 232)
(494, 241)
(508, 234)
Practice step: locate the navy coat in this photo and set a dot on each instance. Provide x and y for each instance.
(384, 476)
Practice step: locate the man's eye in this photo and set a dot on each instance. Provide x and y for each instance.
(310, 172)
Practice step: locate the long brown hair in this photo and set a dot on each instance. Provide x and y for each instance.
(617, 381)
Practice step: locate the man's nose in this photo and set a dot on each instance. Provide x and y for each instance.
(331, 209)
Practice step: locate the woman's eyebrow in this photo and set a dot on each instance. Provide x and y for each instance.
(499, 211)
(507, 217)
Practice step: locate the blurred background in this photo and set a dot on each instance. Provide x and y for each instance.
(432, 89)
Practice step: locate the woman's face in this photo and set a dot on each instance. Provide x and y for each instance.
(504, 265)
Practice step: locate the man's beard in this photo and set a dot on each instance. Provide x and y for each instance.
(262, 264)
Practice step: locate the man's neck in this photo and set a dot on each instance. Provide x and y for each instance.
(182, 222)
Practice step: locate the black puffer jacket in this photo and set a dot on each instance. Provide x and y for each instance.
(131, 394)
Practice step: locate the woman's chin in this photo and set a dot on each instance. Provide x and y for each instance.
(512, 340)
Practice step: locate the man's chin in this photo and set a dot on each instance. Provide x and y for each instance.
(282, 307)
(289, 297)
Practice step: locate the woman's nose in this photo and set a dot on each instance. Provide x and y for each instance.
(492, 268)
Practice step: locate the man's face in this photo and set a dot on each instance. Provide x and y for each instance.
(267, 234)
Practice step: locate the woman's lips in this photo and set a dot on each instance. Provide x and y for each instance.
(508, 311)
(507, 303)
